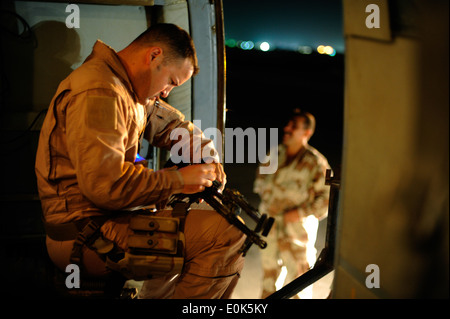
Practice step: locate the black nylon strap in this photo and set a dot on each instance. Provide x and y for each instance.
(86, 236)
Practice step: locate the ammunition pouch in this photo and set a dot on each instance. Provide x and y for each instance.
(155, 248)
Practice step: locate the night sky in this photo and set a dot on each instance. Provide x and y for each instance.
(262, 88)
(285, 24)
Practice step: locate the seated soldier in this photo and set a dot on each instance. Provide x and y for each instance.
(88, 179)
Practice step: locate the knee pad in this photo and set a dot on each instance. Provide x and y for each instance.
(155, 248)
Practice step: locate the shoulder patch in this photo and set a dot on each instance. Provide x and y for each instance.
(101, 112)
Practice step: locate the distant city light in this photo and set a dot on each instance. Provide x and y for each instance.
(304, 49)
(247, 45)
(321, 49)
(265, 46)
(329, 50)
(230, 43)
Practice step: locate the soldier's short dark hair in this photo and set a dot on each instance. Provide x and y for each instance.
(309, 120)
(175, 39)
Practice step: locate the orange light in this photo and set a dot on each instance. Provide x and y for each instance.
(321, 49)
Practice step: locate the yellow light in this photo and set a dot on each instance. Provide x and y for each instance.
(321, 49)
(328, 50)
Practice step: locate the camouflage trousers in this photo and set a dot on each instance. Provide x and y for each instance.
(286, 246)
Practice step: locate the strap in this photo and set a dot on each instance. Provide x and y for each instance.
(180, 210)
(87, 236)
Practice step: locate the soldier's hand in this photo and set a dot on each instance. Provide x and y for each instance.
(197, 177)
(220, 175)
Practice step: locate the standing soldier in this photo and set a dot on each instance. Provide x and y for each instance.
(295, 195)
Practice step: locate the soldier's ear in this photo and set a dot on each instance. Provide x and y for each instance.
(308, 133)
(154, 55)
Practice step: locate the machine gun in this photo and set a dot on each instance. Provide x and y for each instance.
(230, 203)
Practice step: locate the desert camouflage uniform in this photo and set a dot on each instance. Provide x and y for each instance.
(299, 185)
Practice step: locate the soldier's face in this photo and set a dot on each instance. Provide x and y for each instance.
(295, 132)
(167, 76)
(158, 77)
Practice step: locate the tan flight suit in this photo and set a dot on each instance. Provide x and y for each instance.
(85, 167)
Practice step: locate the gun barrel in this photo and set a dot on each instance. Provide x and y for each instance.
(240, 201)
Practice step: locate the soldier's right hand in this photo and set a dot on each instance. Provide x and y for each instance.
(196, 177)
